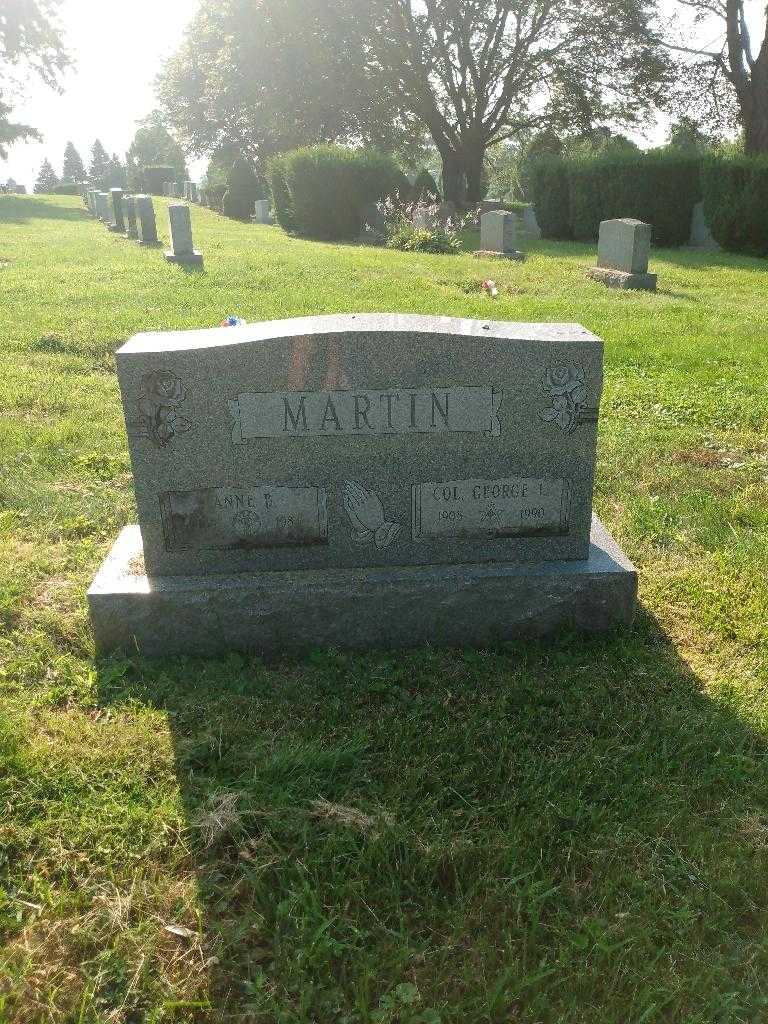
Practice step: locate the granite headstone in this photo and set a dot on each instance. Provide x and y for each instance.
(497, 236)
(182, 249)
(129, 211)
(145, 220)
(623, 248)
(117, 220)
(363, 480)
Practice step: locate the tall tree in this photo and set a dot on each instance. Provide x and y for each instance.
(738, 63)
(477, 72)
(154, 146)
(46, 178)
(73, 168)
(115, 176)
(30, 45)
(98, 172)
(259, 77)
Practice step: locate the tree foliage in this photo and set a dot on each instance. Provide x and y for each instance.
(263, 78)
(727, 86)
(73, 168)
(30, 45)
(476, 72)
(99, 166)
(46, 178)
(154, 146)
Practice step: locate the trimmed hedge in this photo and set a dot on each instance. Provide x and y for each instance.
(660, 187)
(322, 191)
(736, 202)
(67, 188)
(549, 188)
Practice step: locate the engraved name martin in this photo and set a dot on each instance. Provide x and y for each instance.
(393, 411)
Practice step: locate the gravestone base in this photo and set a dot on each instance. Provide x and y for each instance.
(620, 279)
(494, 254)
(189, 259)
(278, 613)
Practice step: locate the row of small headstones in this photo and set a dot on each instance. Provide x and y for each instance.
(194, 194)
(134, 217)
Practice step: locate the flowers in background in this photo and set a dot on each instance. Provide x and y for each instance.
(233, 321)
(490, 287)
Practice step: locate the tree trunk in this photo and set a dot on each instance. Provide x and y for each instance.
(755, 113)
(473, 169)
(453, 178)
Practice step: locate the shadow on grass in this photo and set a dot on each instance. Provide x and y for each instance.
(20, 209)
(561, 830)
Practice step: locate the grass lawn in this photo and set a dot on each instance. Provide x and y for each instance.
(570, 831)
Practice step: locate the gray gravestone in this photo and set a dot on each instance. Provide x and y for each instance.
(701, 236)
(103, 207)
(622, 255)
(145, 220)
(360, 480)
(261, 212)
(129, 210)
(530, 223)
(182, 250)
(166, 188)
(91, 200)
(497, 236)
(117, 221)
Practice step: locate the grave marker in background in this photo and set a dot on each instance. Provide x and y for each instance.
(182, 250)
(497, 236)
(129, 211)
(145, 219)
(261, 213)
(103, 207)
(116, 222)
(622, 255)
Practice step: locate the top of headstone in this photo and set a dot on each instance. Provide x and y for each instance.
(629, 221)
(346, 323)
(361, 439)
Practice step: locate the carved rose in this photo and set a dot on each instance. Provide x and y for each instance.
(366, 514)
(564, 384)
(161, 392)
(565, 379)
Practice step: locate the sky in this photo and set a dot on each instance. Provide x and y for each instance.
(118, 50)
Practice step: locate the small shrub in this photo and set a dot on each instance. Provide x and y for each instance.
(243, 189)
(67, 188)
(401, 233)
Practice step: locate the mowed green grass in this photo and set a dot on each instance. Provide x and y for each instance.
(571, 831)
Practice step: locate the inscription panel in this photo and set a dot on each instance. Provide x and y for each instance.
(342, 413)
(510, 507)
(244, 518)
